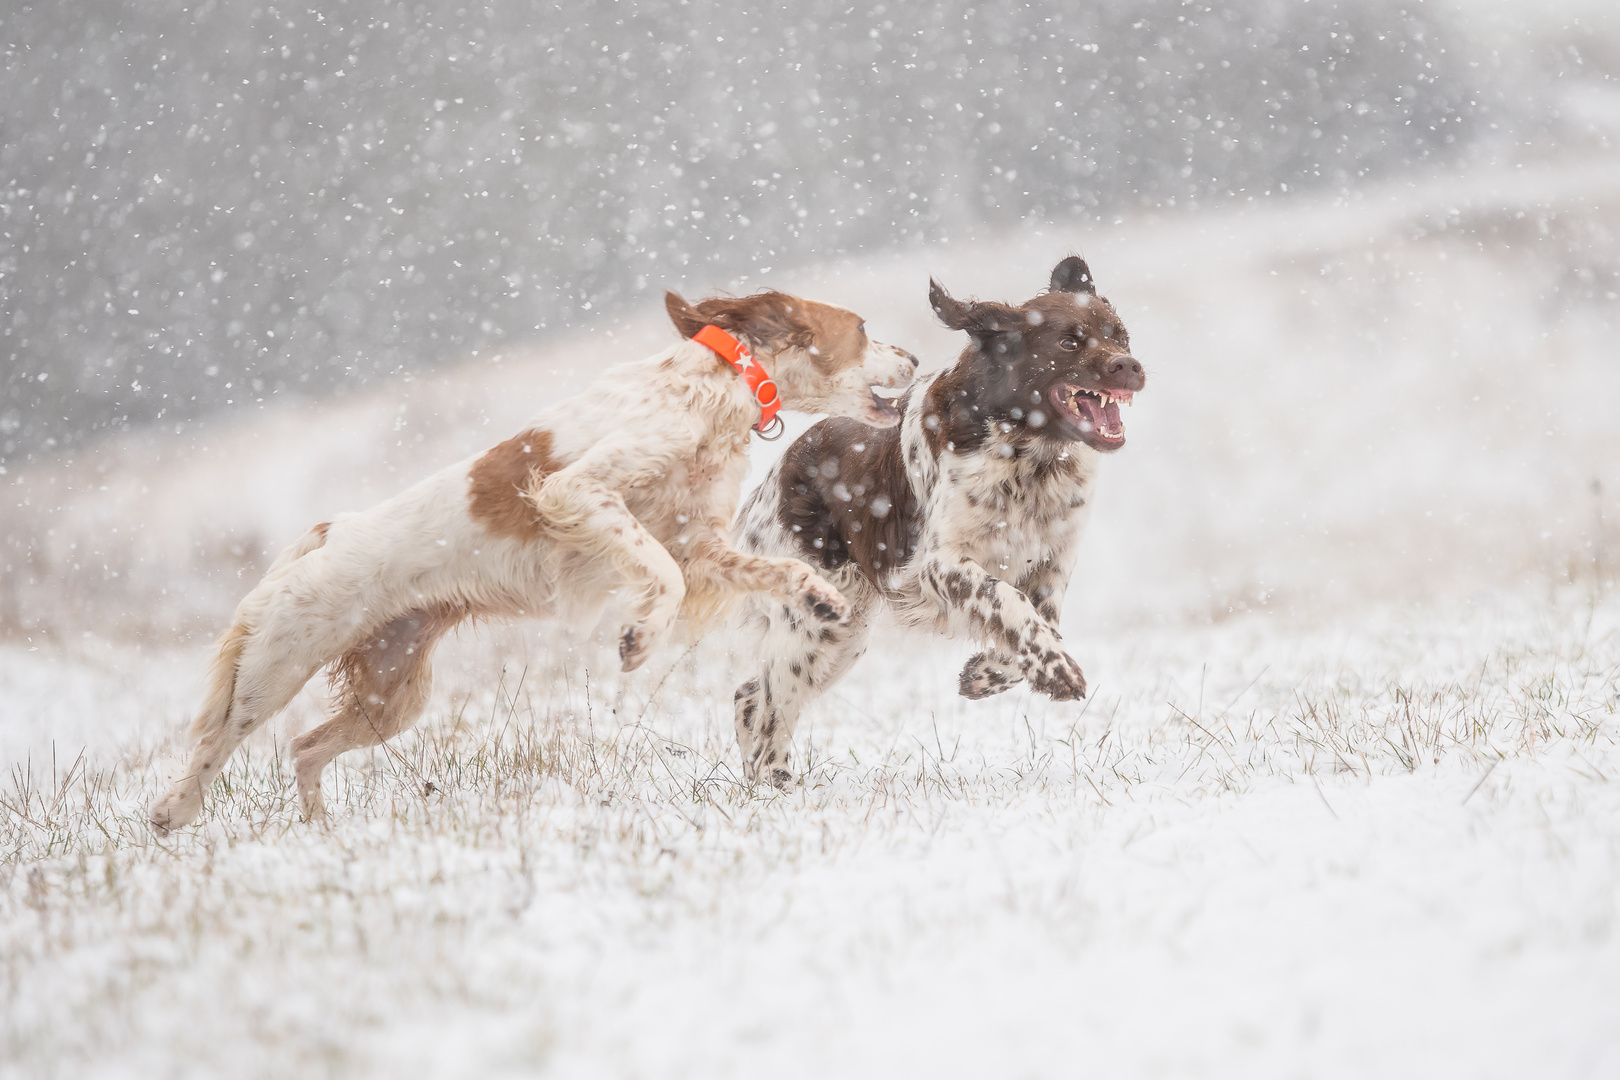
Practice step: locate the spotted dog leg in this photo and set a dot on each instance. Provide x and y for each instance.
(803, 659)
(1003, 615)
(995, 671)
(989, 673)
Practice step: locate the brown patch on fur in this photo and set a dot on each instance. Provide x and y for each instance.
(499, 484)
(840, 335)
(953, 420)
(773, 321)
(845, 504)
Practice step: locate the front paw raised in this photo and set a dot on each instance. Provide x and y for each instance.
(987, 674)
(635, 645)
(1054, 673)
(825, 603)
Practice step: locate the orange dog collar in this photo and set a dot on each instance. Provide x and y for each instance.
(737, 355)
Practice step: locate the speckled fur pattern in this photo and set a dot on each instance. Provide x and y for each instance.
(620, 496)
(964, 520)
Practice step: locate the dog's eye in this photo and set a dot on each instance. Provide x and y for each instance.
(1068, 343)
(861, 328)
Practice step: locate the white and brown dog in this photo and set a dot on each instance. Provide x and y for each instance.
(628, 489)
(963, 519)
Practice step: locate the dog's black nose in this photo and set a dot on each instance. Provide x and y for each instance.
(908, 356)
(1126, 366)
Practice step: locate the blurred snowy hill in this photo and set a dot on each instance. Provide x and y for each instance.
(1404, 394)
(204, 205)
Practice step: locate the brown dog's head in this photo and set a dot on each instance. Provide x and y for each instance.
(818, 355)
(1055, 367)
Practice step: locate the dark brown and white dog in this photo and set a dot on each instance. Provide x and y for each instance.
(963, 519)
(626, 489)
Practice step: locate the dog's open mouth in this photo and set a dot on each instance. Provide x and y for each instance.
(1094, 411)
(884, 403)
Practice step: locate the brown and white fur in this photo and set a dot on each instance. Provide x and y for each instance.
(964, 519)
(627, 489)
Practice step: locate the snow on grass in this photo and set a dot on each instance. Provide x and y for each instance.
(1389, 846)
(1343, 801)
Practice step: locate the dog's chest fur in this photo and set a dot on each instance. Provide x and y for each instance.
(688, 417)
(868, 505)
(700, 487)
(1007, 506)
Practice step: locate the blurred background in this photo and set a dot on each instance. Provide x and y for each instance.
(262, 263)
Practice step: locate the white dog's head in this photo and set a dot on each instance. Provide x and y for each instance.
(818, 355)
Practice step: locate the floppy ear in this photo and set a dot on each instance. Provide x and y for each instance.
(687, 321)
(982, 319)
(951, 311)
(1072, 275)
(770, 319)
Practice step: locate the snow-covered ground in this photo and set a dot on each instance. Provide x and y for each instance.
(1385, 847)
(1343, 801)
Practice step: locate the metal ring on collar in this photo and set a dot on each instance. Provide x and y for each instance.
(776, 393)
(772, 431)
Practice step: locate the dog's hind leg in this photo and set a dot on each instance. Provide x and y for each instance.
(259, 664)
(382, 687)
(254, 675)
(801, 658)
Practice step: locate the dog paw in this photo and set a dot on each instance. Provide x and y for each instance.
(776, 776)
(635, 645)
(1055, 674)
(310, 800)
(175, 810)
(785, 780)
(826, 612)
(986, 675)
(776, 772)
(826, 603)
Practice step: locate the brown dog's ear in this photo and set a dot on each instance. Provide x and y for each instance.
(951, 311)
(769, 319)
(1072, 275)
(981, 319)
(686, 320)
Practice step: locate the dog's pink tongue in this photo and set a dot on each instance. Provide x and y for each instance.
(1111, 423)
(1090, 410)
